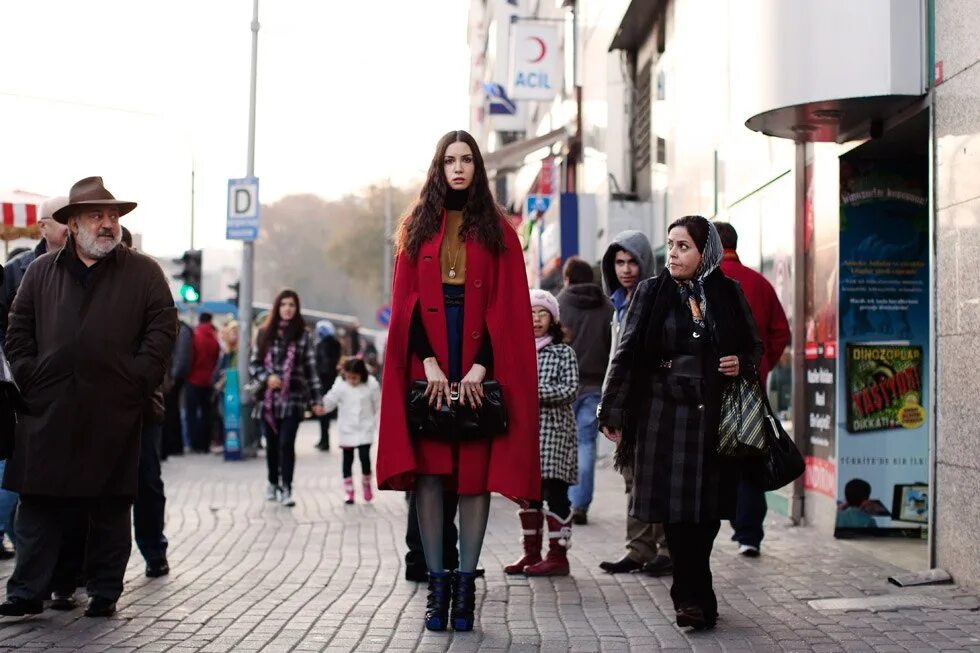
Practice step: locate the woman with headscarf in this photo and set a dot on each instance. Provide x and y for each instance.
(327, 364)
(688, 333)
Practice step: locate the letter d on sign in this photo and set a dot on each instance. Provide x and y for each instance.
(243, 200)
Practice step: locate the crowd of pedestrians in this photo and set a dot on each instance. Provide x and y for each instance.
(487, 387)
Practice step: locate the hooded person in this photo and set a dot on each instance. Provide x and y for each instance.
(627, 262)
(327, 361)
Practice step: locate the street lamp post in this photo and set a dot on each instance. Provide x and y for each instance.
(246, 289)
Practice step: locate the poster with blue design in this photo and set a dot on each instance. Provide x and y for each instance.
(883, 411)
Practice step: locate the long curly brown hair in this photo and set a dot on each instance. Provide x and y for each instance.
(481, 216)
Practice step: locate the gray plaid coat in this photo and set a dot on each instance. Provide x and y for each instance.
(670, 423)
(557, 389)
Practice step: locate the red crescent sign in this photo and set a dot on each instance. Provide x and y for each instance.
(541, 45)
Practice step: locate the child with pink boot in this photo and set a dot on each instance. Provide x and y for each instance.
(356, 396)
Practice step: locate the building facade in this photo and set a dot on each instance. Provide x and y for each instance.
(840, 140)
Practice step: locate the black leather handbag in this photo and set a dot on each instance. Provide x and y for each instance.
(456, 421)
(781, 463)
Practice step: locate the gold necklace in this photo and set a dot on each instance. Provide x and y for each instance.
(452, 263)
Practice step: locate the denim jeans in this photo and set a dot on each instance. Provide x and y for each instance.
(750, 515)
(588, 429)
(8, 501)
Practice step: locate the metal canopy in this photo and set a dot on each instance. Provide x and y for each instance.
(637, 23)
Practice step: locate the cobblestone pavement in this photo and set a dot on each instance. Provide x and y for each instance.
(252, 575)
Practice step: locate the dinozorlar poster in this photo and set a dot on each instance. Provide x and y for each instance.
(884, 384)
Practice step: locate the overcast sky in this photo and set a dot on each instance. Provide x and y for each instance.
(349, 92)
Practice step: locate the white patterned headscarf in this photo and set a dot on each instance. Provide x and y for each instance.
(711, 257)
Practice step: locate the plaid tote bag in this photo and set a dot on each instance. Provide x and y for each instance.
(741, 431)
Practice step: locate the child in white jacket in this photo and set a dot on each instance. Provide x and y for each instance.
(357, 398)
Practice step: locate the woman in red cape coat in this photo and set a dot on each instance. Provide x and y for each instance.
(496, 303)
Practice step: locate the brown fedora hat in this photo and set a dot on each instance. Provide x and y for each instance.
(90, 192)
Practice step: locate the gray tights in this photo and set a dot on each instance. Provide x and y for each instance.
(474, 509)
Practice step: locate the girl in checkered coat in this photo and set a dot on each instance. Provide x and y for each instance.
(557, 389)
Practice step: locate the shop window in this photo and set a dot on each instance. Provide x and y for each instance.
(661, 151)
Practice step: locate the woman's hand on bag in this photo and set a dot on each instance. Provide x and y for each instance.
(438, 389)
(613, 435)
(729, 365)
(274, 382)
(471, 387)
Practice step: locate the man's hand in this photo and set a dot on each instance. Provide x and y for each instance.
(613, 435)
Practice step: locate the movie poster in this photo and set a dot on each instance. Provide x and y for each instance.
(883, 408)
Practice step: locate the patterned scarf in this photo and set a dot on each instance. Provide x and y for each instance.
(692, 290)
(280, 397)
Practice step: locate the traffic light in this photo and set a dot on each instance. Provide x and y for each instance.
(236, 288)
(190, 274)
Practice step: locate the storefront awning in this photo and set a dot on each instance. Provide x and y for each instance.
(511, 156)
(637, 24)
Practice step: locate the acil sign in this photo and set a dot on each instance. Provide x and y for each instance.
(535, 61)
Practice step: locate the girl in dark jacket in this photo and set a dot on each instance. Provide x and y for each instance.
(285, 364)
(687, 334)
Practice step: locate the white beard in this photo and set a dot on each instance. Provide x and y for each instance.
(92, 248)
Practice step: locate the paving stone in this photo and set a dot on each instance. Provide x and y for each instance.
(250, 575)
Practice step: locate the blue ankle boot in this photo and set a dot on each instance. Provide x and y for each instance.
(464, 600)
(437, 605)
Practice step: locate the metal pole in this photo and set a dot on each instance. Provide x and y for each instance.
(386, 279)
(248, 261)
(192, 202)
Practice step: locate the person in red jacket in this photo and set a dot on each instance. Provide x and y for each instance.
(770, 320)
(460, 315)
(199, 388)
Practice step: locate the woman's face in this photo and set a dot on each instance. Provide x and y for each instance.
(232, 336)
(541, 319)
(683, 257)
(287, 309)
(459, 166)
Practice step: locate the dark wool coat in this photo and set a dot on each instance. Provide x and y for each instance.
(87, 358)
(670, 424)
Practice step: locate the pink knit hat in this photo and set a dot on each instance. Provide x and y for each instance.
(545, 300)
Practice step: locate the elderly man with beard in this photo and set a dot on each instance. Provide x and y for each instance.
(90, 335)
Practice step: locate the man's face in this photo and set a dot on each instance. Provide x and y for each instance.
(627, 270)
(53, 232)
(96, 230)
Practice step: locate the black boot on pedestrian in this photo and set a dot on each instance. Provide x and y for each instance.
(100, 607)
(18, 607)
(624, 566)
(157, 568)
(464, 600)
(659, 566)
(692, 616)
(416, 573)
(63, 601)
(437, 605)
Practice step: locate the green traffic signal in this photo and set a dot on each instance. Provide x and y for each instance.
(190, 294)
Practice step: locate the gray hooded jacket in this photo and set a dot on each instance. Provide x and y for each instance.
(638, 246)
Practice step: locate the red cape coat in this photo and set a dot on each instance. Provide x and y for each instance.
(496, 295)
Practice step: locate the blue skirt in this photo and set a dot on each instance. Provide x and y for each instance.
(453, 298)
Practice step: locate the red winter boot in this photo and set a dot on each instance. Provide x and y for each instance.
(559, 540)
(532, 521)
